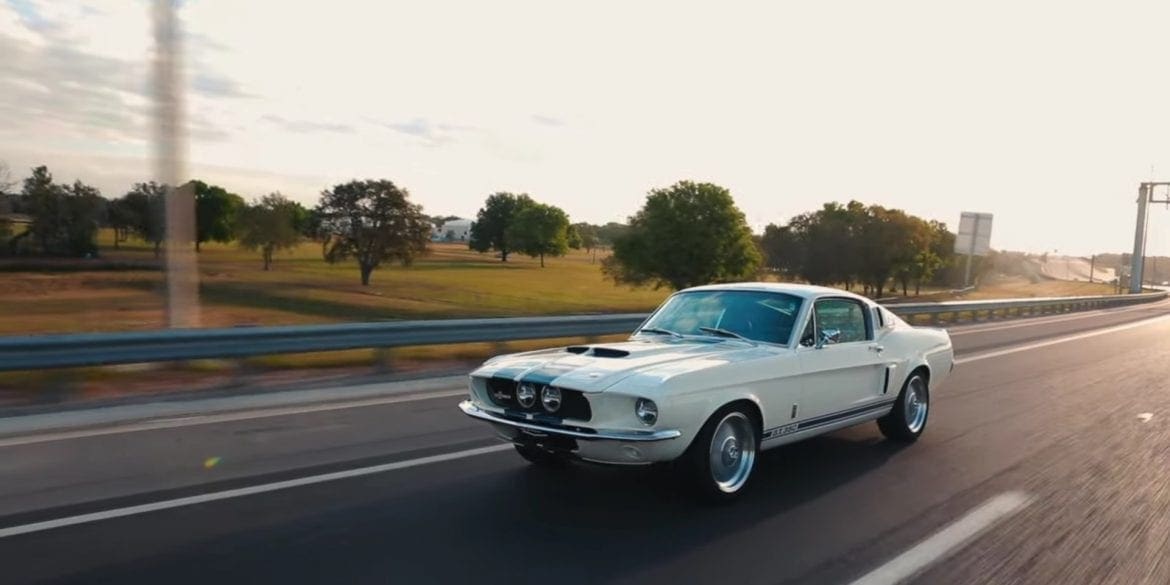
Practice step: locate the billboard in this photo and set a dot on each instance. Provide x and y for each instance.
(974, 234)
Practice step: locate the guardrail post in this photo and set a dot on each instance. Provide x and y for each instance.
(59, 387)
(241, 372)
(384, 360)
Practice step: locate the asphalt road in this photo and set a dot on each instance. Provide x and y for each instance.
(1068, 414)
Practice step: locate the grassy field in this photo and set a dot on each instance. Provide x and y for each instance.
(449, 282)
(1017, 287)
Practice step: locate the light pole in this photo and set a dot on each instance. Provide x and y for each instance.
(1138, 260)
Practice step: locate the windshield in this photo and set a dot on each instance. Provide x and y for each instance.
(755, 315)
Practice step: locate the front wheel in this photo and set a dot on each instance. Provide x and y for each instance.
(721, 459)
(907, 420)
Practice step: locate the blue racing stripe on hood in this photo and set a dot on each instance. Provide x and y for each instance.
(546, 374)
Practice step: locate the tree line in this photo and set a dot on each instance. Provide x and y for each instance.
(857, 244)
(684, 235)
(692, 233)
(510, 222)
(372, 222)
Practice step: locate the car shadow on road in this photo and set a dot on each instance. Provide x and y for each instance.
(627, 520)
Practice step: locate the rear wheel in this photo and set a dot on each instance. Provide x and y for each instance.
(908, 418)
(721, 458)
(541, 457)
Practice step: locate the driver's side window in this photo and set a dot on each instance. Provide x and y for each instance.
(837, 321)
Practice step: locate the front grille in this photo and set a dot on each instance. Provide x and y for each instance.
(574, 405)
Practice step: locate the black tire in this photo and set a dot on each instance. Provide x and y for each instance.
(696, 463)
(898, 424)
(542, 457)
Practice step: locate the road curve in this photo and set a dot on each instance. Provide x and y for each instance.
(1075, 432)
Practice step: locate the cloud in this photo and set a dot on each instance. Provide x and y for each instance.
(547, 120)
(430, 133)
(72, 88)
(212, 85)
(307, 126)
(57, 86)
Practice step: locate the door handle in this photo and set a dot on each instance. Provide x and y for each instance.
(876, 348)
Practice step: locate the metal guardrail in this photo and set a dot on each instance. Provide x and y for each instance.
(36, 352)
(1021, 306)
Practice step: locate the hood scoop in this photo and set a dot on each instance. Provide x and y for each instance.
(601, 352)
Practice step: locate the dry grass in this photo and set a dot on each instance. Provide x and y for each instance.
(1017, 287)
(449, 282)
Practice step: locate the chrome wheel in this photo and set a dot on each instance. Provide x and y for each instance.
(917, 402)
(733, 452)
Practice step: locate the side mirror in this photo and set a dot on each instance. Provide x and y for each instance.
(829, 337)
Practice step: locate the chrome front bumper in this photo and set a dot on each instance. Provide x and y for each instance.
(624, 436)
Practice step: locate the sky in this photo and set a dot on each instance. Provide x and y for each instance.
(1045, 114)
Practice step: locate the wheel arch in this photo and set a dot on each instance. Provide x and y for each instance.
(745, 400)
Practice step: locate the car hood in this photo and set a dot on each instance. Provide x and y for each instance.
(596, 367)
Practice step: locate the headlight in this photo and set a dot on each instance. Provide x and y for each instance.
(646, 411)
(526, 395)
(551, 398)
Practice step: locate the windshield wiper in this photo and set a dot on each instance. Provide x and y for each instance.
(724, 333)
(661, 331)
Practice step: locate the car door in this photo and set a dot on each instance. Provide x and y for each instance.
(842, 370)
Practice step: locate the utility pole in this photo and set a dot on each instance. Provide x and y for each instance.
(1138, 260)
(1092, 267)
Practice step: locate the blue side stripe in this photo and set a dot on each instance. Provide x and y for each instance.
(828, 418)
(825, 419)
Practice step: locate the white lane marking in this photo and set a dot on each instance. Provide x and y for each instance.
(186, 421)
(946, 541)
(1145, 416)
(967, 329)
(245, 491)
(1058, 340)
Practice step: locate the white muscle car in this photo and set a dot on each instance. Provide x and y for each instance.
(713, 376)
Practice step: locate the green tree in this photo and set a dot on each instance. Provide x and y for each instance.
(783, 250)
(64, 218)
(912, 257)
(822, 247)
(308, 223)
(540, 230)
(490, 229)
(942, 245)
(269, 225)
(586, 236)
(610, 233)
(372, 221)
(5, 236)
(215, 213)
(145, 208)
(685, 235)
(121, 219)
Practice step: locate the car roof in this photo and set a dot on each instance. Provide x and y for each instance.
(807, 291)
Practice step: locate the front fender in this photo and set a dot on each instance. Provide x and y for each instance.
(688, 412)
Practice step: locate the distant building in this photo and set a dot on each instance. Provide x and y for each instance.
(455, 230)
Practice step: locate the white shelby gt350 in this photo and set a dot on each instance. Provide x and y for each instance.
(713, 376)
